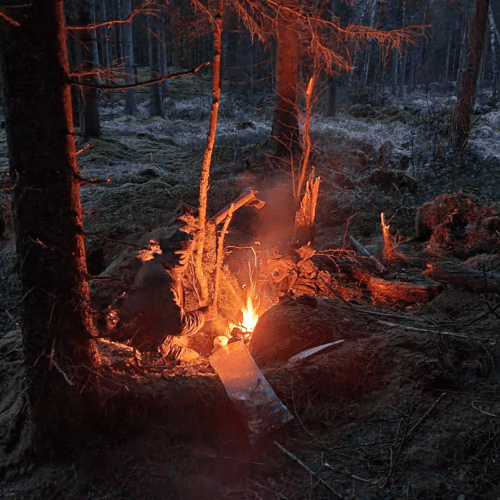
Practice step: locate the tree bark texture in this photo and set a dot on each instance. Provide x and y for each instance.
(286, 121)
(57, 323)
(460, 124)
(303, 230)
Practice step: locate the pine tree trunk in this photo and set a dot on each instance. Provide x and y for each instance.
(104, 42)
(57, 324)
(128, 49)
(447, 66)
(460, 124)
(331, 109)
(88, 98)
(495, 44)
(286, 122)
(93, 33)
(156, 107)
(163, 56)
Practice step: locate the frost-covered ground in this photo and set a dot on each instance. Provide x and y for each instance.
(184, 129)
(186, 121)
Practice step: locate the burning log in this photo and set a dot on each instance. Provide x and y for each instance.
(463, 277)
(400, 292)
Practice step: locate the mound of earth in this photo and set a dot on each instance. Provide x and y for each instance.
(297, 324)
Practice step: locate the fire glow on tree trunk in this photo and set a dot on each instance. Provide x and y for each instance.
(207, 158)
(286, 121)
(57, 323)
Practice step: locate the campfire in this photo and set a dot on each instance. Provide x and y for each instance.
(250, 315)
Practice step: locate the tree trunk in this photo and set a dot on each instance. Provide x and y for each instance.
(372, 9)
(93, 33)
(447, 66)
(164, 55)
(88, 98)
(207, 157)
(286, 121)
(331, 109)
(495, 40)
(156, 107)
(57, 323)
(460, 124)
(128, 49)
(104, 39)
(395, 64)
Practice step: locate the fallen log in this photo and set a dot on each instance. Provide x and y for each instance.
(400, 292)
(451, 273)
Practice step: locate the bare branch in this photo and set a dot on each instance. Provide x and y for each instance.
(169, 76)
(139, 10)
(5, 17)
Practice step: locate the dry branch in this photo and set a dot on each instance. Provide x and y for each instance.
(426, 414)
(128, 86)
(413, 328)
(220, 254)
(362, 250)
(248, 198)
(306, 468)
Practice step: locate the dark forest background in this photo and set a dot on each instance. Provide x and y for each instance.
(176, 36)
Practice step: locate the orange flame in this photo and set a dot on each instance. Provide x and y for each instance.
(250, 316)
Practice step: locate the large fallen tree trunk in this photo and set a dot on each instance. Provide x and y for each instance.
(463, 277)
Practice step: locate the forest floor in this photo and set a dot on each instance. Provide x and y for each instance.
(408, 406)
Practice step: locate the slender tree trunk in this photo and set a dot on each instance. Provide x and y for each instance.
(128, 50)
(395, 64)
(57, 323)
(249, 59)
(495, 40)
(106, 60)
(331, 109)
(461, 57)
(93, 33)
(460, 124)
(413, 65)
(207, 157)
(156, 107)
(372, 6)
(447, 66)
(286, 122)
(163, 55)
(88, 98)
